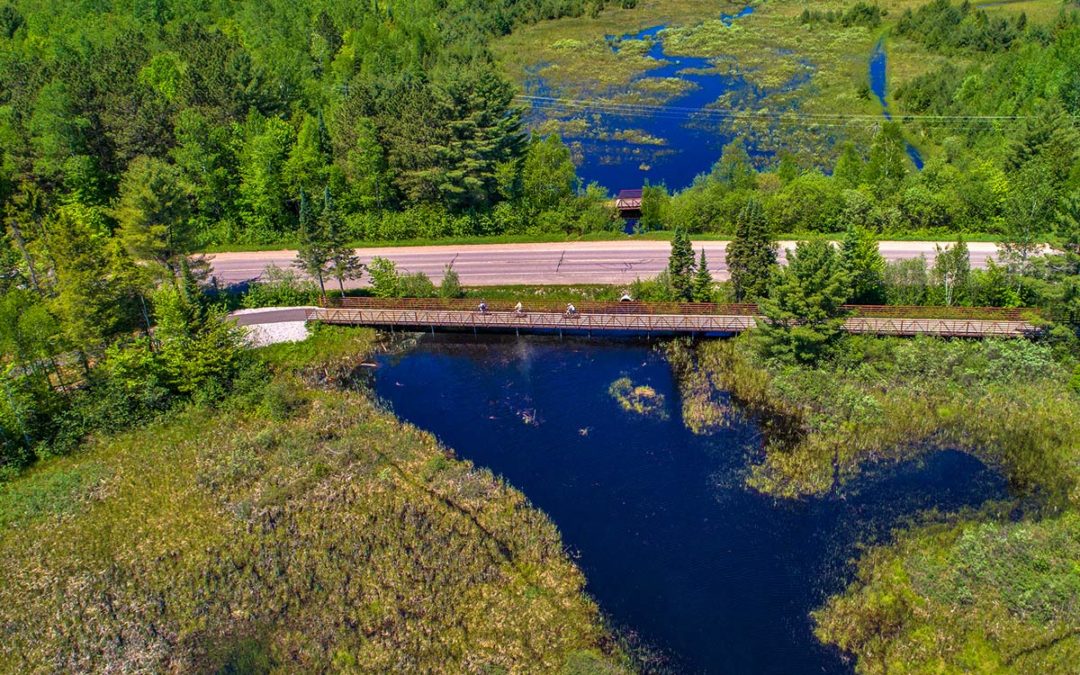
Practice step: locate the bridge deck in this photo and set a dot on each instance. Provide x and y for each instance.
(639, 319)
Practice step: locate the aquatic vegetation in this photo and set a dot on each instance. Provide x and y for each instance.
(326, 536)
(891, 399)
(703, 411)
(977, 592)
(967, 596)
(638, 399)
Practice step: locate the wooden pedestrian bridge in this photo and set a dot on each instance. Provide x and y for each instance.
(650, 318)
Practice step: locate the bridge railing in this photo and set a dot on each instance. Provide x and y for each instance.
(679, 308)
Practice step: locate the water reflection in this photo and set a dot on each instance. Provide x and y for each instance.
(673, 546)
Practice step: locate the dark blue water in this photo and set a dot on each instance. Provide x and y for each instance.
(878, 69)
(673, 546)
(693, 138)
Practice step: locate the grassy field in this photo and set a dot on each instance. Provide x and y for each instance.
(303, 530)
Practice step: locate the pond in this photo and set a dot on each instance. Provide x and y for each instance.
(625, 145)
(675, 549)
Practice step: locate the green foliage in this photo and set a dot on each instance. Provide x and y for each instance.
(952, 269)
(703, 287)
(803, 313)
(299, 540)
(547, 176)
(638, 399)
(385, 280)
(873, 399)
(451, 284)
(313, 253)
(153, 214)
(970, 596)
(941, 25)
(344, 263)
(864, 266)
(655, 208)
(278, 287)
(680, 267)
(751, 255)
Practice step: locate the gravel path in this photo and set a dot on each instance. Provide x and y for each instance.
(272, 325)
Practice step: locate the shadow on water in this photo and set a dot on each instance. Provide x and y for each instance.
(670, 143)
(879, 61)
(675, 549)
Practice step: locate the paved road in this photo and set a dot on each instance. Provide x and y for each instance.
(606, 262)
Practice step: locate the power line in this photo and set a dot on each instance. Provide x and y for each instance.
(681, 112)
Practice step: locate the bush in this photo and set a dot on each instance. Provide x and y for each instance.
(280, 288)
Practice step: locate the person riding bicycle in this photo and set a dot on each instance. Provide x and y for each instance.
(482, 307)
(519, 309)
(570, 309)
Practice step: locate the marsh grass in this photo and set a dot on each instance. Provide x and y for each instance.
(989, 591)
(887, 400)
(967, 596)
(639, 399)
(325, 536)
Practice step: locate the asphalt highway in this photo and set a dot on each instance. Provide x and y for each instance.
(605, 262)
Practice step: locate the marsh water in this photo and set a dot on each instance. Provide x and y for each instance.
(879, 60)
(717, 578)
(622, 146)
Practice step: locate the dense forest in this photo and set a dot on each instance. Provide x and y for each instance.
(135, 133)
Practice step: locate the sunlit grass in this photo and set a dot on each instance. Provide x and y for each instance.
(308, 531)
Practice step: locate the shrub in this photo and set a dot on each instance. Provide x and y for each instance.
(280, 288)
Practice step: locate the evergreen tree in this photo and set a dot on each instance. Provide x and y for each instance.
(751, 255)
(864, 265)
(703, 281)
(90, 287)
(344, 264)
(313, 254)
(154, 214)
(309, 157)
(803, 313)
(681, 266)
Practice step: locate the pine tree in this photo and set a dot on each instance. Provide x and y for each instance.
(703, 281)
(313, 254)
(804, 312)
(154, 214)
(751, 256)
(344, 264)
(681, 266)
(864, 265)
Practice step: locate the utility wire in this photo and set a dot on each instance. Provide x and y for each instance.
(672, 112)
